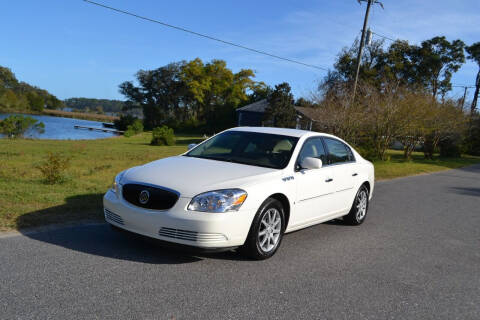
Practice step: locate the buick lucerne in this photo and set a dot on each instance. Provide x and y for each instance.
(244, 187)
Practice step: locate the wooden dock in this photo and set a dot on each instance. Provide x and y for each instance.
(108, 125)
(99, 129)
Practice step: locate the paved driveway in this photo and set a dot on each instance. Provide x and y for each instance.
(416, 257)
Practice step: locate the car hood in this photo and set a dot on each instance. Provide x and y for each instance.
(191, 176)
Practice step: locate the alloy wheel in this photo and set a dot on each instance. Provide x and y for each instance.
(269, 231)
(362, 200)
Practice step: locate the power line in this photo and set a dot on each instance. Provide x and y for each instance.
(206, 36)
(382, 36)
(462, 86)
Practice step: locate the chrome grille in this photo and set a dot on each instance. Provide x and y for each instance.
(191, 235)
(109, 215)
(159, 198)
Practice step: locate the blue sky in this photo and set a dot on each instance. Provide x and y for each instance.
(75, 49)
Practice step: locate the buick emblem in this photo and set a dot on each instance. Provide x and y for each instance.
(144, 196)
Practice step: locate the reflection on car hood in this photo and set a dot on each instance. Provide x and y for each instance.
(191, 176)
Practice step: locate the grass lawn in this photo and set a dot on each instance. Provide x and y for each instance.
(398, 167)
(25, 201)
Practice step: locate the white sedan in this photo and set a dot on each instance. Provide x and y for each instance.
(244, 187)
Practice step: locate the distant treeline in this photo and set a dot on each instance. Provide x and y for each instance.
(95, 105)
(20, 96)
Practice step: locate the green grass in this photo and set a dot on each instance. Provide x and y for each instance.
(26, 201)
(399, 167)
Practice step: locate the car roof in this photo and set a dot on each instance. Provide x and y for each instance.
(281, 131)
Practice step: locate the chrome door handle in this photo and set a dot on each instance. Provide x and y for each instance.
(329, 180)
(355, 174)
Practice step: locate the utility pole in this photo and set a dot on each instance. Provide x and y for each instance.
(362, 41)
(475, 95)
(464, 97)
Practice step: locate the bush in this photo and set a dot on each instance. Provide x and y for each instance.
(124, 121)
(450, 147)
(472, 141)
(15, 126)
(162, 136)
(53, 168)
(134, 128)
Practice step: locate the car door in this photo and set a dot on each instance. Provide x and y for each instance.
(342, 163)
(314, 188)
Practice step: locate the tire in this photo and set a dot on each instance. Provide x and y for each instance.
(266, 231)
(359, 209)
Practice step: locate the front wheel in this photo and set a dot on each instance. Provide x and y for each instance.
(267, 230)
(359, 209)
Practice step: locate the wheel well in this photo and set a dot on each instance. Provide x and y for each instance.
(367, 184)
(286, 205)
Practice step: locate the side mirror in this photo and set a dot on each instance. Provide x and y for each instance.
(191, 146)
(311, 163)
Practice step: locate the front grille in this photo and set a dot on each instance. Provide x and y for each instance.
(191, 235)
(109, 215)
(159, 198)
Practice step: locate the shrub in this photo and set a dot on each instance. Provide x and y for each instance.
(16, 125)
(472, 140)
(53, 168)
(137, 126)
(134, 128)
(162, 136)
(128, 133)
(124, 121)
(450, 147)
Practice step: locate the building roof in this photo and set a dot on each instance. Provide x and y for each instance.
(310, 113)
(258, 106)
(261, 105)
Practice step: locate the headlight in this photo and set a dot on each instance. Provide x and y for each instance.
(218, 201)
(116, 182)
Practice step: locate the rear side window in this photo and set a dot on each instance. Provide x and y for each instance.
(338, 152)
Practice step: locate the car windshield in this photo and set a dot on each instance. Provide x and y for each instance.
(251, 148)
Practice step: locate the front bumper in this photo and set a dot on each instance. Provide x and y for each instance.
(178, 225)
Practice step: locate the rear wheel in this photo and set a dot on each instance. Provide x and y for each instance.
(359, 209)
(266, 232)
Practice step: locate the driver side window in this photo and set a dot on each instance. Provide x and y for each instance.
(313, 147)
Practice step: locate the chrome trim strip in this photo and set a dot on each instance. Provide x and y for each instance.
(322, 195)
(326, 194)
(124, 182)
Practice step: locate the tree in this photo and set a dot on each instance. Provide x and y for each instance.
(83, 103)
(435, 61)
(7, 79)
(15, 126)
(445, 121)
(35, 101)
(8, 99)
(280, 110)
(429, 66)
(258, 91)
(160, 93)
(22, 96)
(474, 54)
(216, 91)
(190, 92)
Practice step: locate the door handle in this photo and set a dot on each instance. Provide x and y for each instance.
(329, 180)
(355, 174)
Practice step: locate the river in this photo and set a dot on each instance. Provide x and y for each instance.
(63, 128)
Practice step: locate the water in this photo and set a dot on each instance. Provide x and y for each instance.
(63, 128)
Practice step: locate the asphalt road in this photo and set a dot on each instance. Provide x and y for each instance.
(417, 256)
